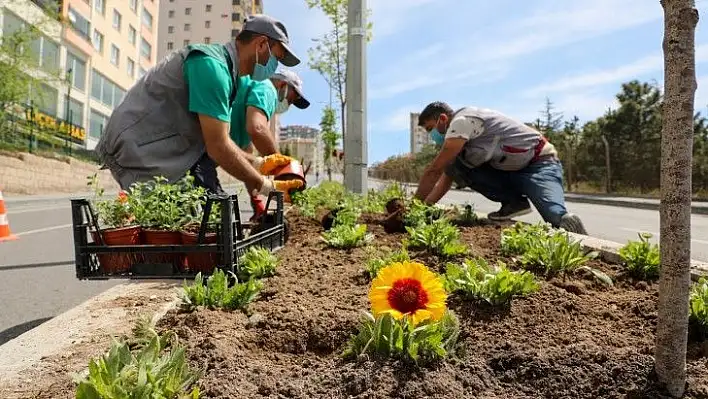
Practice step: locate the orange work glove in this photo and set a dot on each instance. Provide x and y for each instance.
(286, 186)
(267, 164)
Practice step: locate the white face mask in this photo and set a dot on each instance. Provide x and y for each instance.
(283, 103)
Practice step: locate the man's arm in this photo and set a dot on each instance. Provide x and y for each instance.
(441, 188)
(226, 154)
(451, 147)
(258, 128)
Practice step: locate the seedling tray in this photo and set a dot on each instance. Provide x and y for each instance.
(233, 238)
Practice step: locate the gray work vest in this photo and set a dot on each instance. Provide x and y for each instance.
(152, 132)
(505, 143)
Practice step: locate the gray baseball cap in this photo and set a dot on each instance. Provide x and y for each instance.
(294, 81)
(274, 29)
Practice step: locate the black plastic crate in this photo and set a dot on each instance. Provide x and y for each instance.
(232, 241)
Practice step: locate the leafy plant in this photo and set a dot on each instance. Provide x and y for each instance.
(157, 369)
(375, 201)
(160, 205)
(517, 239)
(439, 238)
(217, 293)
(376, 263)
(327, 195)
(420, 213)
(557, 253)
(467, 215)
(698, 301)
(496, 285)
(347, 236)
(643, 259)
(348, 214)
(385, 337)
(258, 262)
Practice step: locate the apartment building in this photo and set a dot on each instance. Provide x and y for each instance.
(105, 46)
(304, 142)
(202, 21)
(418, 136)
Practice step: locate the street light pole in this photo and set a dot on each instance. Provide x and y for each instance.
(355, 155)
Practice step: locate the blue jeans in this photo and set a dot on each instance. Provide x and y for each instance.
(541, 182)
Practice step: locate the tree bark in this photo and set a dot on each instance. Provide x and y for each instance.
(680, 19)
(608, 166)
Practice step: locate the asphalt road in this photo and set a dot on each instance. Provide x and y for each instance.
(37, 275)
(37, 278)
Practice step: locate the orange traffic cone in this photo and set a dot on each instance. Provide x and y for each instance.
(5, 234)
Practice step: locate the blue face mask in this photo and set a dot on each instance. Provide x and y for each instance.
(263, 72)
(438, 138)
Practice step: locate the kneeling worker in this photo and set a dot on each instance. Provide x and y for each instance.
(503, 159)
(251, 113)
(175, 119)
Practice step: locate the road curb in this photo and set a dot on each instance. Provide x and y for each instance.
(589, 199)
(97, 318)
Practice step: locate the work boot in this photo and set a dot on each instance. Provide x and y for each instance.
(511, 210)
(573, 224)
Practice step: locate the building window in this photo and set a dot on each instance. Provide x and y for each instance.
(170, 45)
(131, 67)
(208, 8)
(117, 19)
(171, 14)
(79, 24)
(97, 122)
(186, 42)
(98, 41)
(105, 91)
(237, 2)
(43, 97)
(234, 32)
(78, 70)
(170, 29)
(74, 111)
(147, 19)
(115, 55)
(134, 6)
(187, 27)
(235, 16)
(188, 11)
(145, 49)
(207, 40)
(132, 35)
(207, 24)
(100, 6)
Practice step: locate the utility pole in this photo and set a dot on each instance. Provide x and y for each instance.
(355, 156)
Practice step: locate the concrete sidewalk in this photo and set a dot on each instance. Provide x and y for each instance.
(697, 207)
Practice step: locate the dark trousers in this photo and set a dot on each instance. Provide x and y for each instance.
(204, 172)
(541, 182)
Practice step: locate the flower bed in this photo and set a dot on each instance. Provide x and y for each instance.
(573, 338)
(550, 322)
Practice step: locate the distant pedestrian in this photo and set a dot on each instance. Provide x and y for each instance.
(501, 158)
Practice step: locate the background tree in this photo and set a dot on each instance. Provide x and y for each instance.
(329, 55)
(680, 20)
(329, 136)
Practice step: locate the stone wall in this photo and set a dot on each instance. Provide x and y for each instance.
(27, 174)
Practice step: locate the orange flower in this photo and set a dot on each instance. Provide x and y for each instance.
(122, 197)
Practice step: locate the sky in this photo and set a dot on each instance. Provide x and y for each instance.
(507, 55)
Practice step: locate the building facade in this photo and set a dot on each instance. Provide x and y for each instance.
(201, 21)
(303, 142)
(418, 136)
(103, 49)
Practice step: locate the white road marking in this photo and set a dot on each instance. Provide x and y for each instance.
(37, 209)
(24, 233)
(656, 235)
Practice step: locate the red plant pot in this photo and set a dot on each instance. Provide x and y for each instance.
(204, 262)
(163, 237)
(112, 263)
(291, 171)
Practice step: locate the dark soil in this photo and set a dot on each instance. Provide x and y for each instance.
(573, 339)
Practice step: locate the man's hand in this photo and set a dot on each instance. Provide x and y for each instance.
(286, 186)
(266, 165)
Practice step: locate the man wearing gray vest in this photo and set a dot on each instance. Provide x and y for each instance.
(175, 119)
(503, 159)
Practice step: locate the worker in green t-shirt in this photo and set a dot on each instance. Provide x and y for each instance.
(251, 112)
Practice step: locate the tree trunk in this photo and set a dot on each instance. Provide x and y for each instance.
(680, 19)
(608, 166)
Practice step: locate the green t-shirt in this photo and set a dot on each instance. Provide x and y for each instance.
(251, 93)
(210, 85)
